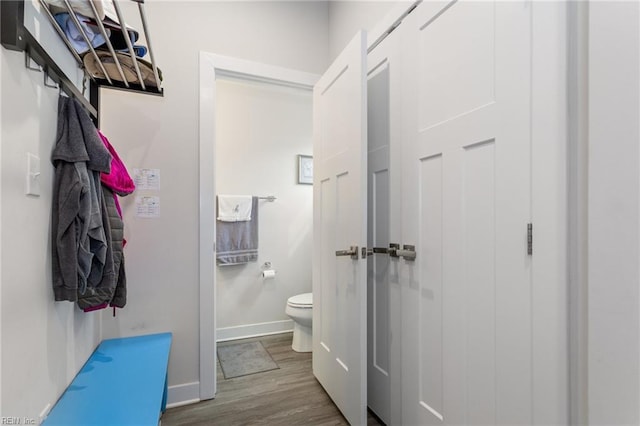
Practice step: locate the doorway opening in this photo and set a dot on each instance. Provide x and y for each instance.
(213, 69)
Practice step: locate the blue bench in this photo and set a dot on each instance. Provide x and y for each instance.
(124, 382)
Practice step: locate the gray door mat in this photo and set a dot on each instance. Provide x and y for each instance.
(242, 359)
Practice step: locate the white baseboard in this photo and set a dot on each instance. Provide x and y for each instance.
(253, 330)
(178, 395)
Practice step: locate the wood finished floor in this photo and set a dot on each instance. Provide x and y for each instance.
(290, 395)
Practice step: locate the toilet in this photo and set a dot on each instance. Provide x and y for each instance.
(300, 310)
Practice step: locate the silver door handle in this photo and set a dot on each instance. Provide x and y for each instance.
(353, 252)
(408, 252)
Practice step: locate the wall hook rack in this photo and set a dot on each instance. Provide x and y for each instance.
(17, 33)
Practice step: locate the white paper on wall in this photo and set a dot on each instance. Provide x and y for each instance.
(147, 179)
(148, 207)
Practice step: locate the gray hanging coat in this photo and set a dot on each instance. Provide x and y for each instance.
(117, 242)
(79, 244)
(112, 286)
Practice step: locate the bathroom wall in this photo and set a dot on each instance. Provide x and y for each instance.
(261, 129)
(153, 132)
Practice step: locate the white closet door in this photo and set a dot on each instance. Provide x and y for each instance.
(340, 202)
(383, 286)
(467, 316)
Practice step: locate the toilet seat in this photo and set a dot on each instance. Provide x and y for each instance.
(304, 300)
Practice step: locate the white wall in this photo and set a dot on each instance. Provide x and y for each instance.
(614, 214)
(261, 128)
(153, 132)
(348, 17)
(44, 343)
(1, 102)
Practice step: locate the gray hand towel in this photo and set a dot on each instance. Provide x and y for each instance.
(237, 242)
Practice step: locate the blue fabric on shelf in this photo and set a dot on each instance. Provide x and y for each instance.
(73, 34)
(139, 50)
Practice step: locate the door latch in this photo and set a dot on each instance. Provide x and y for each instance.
(375, 250)
(408, 252)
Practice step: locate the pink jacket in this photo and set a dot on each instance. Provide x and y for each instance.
(118, 180)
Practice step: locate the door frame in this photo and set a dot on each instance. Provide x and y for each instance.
(377, 39)
(214, 66)
(551, 156)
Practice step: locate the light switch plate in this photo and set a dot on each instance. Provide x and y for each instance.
(33, 174)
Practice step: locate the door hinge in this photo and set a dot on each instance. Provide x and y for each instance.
(529, 239)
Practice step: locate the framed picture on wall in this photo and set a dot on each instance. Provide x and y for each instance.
(305, 169)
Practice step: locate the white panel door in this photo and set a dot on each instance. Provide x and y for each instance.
(383, 286)
(339, 223)
(467, 316)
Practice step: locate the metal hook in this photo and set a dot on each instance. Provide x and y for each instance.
(85, 77)
(47, 79)
(28, 61)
